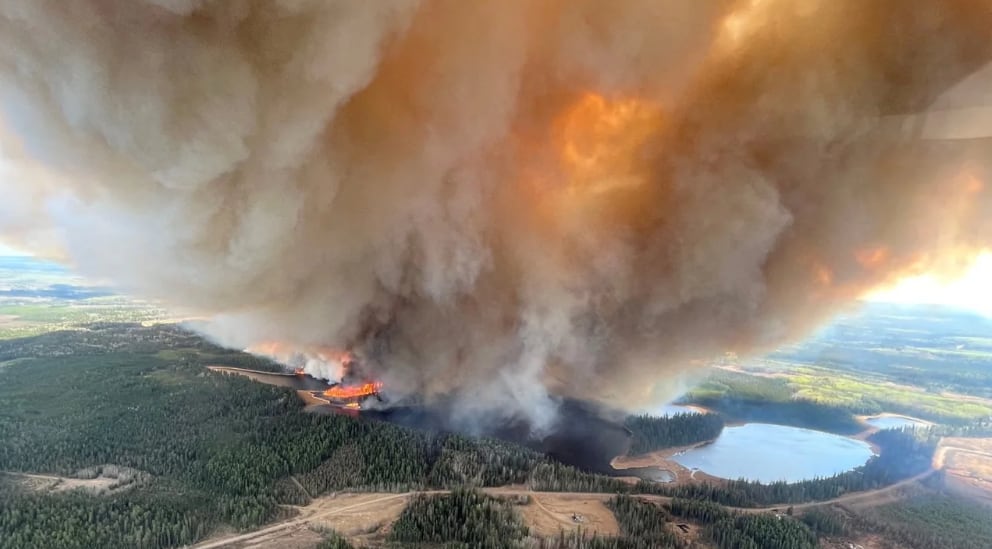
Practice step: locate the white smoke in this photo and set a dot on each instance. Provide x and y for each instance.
(394, 177)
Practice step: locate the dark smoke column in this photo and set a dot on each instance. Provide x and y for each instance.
(499, 203)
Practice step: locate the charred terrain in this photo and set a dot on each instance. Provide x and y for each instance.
(472, 237)
(184, 455)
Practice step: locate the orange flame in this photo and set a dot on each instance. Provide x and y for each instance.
(870, 258)
(344, 392)
(824, 276)
(599, 140)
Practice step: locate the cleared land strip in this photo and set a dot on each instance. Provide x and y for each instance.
(299, 521)
(308, 516)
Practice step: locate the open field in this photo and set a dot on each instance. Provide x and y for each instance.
(102, 480)
(549, 513)
(368, 515)
(860, 394)
(968, 464)
(933, 349)
(361, 517)
(49, 483)
(319, 510)
(38, 297)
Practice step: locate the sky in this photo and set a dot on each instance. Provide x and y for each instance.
(973, 291)
(8, 251)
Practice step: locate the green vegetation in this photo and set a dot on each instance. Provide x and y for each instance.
(821, 399)
(751, 398)
(334, 541)
(867, 398)
(654, 433)
(33, 318)
(892, 358)
(463, 518)
(642, 525)
(555, 477)
(824, 522)
(219, 448)
(923, 520)
(157, 516)
(904, 453)
(745, 530)
(37, 297)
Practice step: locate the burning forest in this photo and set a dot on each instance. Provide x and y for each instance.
(497, 205)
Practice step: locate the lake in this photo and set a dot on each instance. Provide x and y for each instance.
(894, 422)
(769, 453)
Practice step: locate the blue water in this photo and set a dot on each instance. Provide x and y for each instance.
(769, 453)
(894, 422)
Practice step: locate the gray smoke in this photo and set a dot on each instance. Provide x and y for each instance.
(499, 201)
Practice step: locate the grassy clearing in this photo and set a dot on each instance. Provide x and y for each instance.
(872, 397)
(31, 319)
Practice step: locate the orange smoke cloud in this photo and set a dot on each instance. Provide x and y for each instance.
(498, 201)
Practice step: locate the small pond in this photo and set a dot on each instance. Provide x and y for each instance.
(769, 453)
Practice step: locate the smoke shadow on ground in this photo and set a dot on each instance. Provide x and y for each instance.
(582, 435)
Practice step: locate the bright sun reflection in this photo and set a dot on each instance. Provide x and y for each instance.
(9, 251)
(971, 291)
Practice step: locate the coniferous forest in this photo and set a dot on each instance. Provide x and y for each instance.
(464, 518)
(651, 433)
(213, 449)
(195, 451)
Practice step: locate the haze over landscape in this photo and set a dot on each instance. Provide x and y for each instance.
(532, 274)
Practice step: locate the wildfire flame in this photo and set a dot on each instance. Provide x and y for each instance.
(599, 141)
(870, 258)
(354, 391)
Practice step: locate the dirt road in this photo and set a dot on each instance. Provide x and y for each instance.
(301, 520)
(308, 516)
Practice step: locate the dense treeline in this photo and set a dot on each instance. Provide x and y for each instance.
(794, 412)
(644, 525)
(77, 519)
(745, 530)
(823, 521)
(975, 429)
(904, 453)
(771, 400)
(555, 477)
(940, 349)
(924, 520)
(463, 518)
(650, 433)
(334, 541)
(141, 398)
(221, 449)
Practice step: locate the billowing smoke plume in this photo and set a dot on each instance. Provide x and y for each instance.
(498, 201)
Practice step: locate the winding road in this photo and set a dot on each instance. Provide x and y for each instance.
(517, 491)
